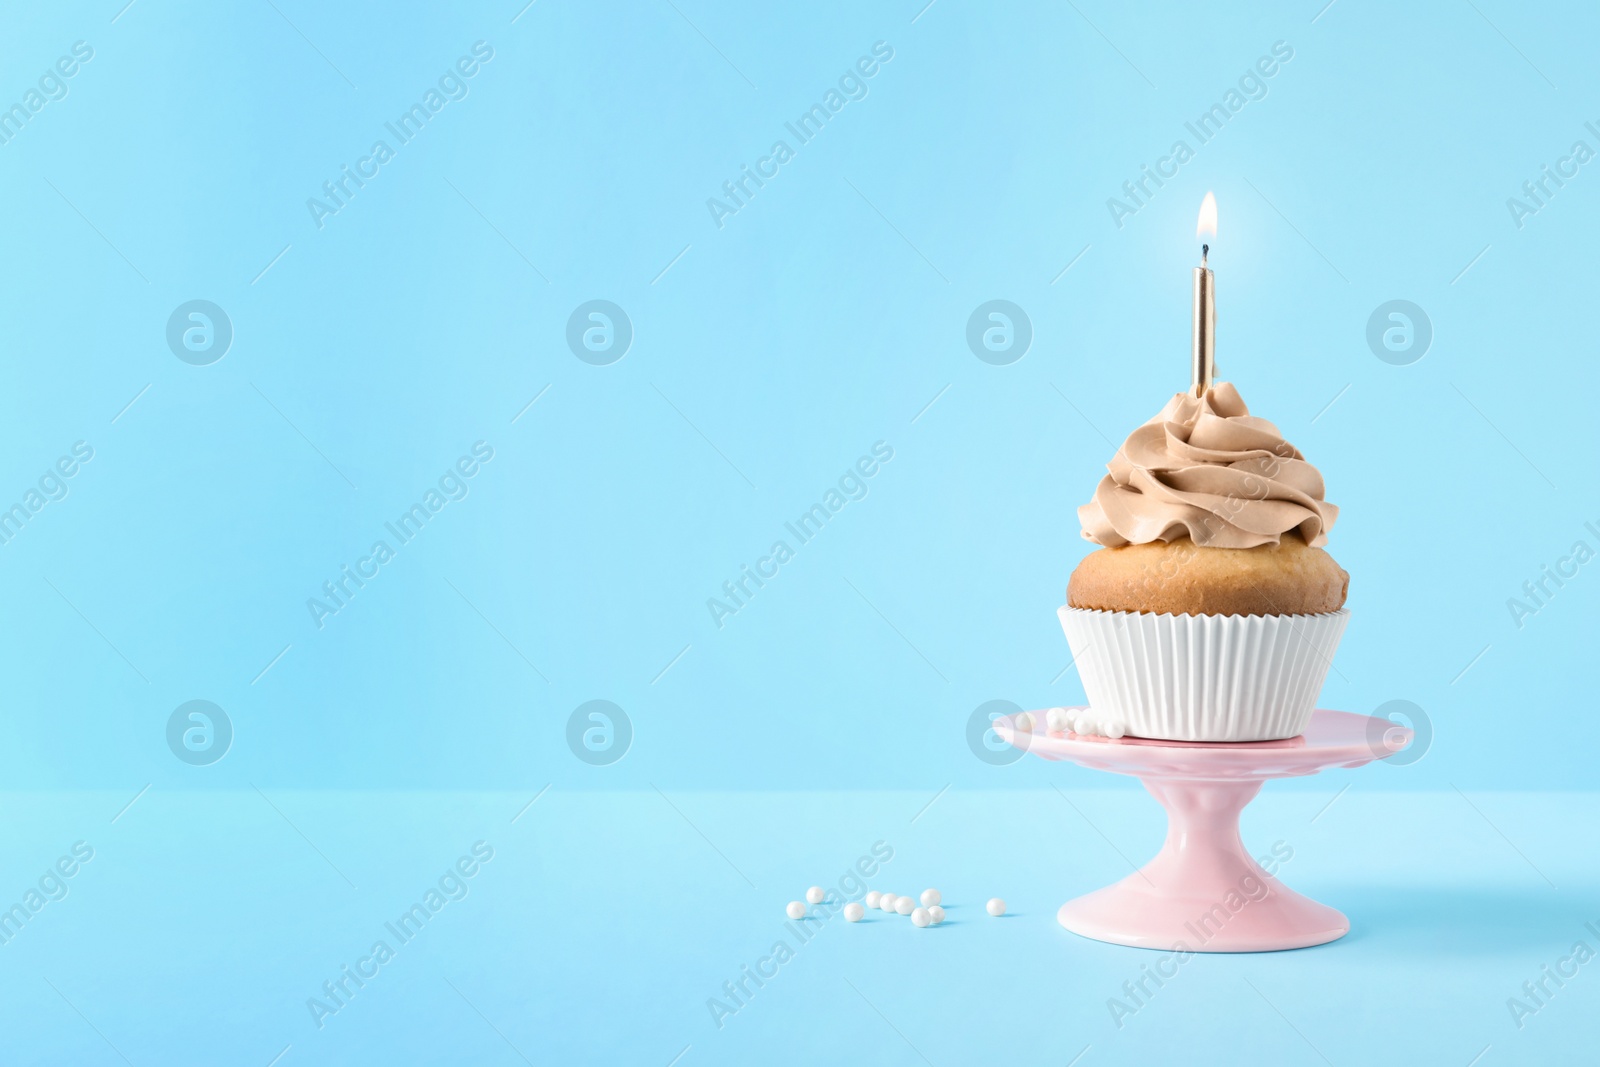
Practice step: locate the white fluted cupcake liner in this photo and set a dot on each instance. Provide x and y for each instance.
(1203, 677)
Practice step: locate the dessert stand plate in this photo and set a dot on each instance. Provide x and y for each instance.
(1203, 892)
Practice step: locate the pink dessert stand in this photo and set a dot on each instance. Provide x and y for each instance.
(1203, 892)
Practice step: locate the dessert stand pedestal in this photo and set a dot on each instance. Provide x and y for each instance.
(1202, 892)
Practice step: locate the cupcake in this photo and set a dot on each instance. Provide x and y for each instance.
(1211, 612)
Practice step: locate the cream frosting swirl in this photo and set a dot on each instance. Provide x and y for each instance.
(1206, 469)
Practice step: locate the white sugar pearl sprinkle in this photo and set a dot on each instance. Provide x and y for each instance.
(796, 910)
(936, 913)
(1025, 722)
(814, 895)
(995, 907)
(853, 911)
(903, 905)
(930, 897)
(873, 897)
(920, 917)
(886, 902)
(1115, 730)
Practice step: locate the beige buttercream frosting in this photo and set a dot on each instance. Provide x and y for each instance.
(1206, 469)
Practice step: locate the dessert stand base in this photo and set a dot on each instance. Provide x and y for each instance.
(1203, 892)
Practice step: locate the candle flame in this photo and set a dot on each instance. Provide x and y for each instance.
(1207, 226)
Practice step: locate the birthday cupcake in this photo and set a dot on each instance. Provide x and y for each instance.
(1212, 611)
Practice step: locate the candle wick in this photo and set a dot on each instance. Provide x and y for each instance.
(1205, 250)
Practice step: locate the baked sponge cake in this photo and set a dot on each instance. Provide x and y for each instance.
(1180, 578)
(1211, 611)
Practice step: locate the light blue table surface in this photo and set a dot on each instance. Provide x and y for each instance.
(604, 923)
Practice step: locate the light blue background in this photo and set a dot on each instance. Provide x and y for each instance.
(769, 354)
